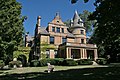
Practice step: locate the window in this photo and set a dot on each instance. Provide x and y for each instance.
(51, 40)
(78, 21)
(55, 53)
(47, 53)
(82, 31)
(82, 41)
(64, 40)
(53, 29)
(58, 30)
(62, 30)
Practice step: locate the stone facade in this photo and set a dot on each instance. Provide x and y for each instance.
(69, 42)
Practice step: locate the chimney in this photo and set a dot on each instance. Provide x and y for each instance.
(38, 21)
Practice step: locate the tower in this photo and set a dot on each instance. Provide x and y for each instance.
(77, 28)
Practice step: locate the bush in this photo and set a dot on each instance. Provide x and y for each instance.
(84, 62)
(34, 63)
(56, 61)
(43, 62)
(69, 62)
(2, 64)
(101, 61)
(17, 63)
(23, 59)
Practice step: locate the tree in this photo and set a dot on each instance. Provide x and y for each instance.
(107, 34)
(11, 28)
(87, 23)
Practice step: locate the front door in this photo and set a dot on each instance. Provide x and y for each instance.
(75, 53)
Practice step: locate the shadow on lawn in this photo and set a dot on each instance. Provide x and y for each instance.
(106, 73)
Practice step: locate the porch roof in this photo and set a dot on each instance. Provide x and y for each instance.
(78, 45)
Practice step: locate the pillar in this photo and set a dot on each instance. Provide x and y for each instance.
(81, 53)
(95, 54)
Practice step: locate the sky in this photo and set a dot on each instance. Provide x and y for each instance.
(47, 10)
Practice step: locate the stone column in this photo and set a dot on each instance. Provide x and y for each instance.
(85, 54)
(69, 52)
(52, 54)
(81, 53)
(95, 54)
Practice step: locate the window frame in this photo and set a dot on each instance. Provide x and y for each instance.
(64, 39)
(57, 29)
(62, 30)
(53, 29)
(82, 32)
(52, 40)
(82, 41)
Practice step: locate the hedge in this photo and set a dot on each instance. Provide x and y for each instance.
(84, 62)
(102, 61)
(69, 62)
(17, 63)
(2, 64)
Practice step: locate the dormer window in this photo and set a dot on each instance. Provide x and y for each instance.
(82, 41)
(58, 29)
(82, 32)
(62, 30)
(53, 29)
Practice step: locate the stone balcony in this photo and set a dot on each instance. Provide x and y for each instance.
(79, 45)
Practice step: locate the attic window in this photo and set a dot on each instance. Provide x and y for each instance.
(57, 21)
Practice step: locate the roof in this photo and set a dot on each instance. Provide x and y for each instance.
(43, 31)
(70, 35)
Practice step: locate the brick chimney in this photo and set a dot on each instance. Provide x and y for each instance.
(38, 21)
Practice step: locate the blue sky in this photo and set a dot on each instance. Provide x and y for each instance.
(47, 10)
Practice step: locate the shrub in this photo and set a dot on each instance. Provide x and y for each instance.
(23, 59)
(2, 64)
(69, 62)
(17, 63)
(52, 61)
(34, 63)
(101, 61)
(56, 61)
(43, 62)
(84, 62)
(59, 61)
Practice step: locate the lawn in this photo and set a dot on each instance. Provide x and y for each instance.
(63, 73)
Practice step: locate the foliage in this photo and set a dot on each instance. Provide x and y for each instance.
(2, 64)
(74, 1)
(69, 62)
(84, 62)
(34, 63)
(17, 63)
(102, 61)
(107, 34)
(43, 62)
(22, 51)
(88, 24)
(23, 59)
(43, 47)
(11, 28)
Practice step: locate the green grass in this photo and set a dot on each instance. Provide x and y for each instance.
(63, 73)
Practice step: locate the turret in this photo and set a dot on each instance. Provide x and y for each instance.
(77, 28)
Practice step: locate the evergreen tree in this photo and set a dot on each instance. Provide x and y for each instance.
(107, 34)
(11, 28)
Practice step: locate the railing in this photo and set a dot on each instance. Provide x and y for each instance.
(81, 45)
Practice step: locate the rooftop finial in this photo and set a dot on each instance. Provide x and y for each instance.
(57, 14)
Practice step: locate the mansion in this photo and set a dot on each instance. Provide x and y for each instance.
(63, 41)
